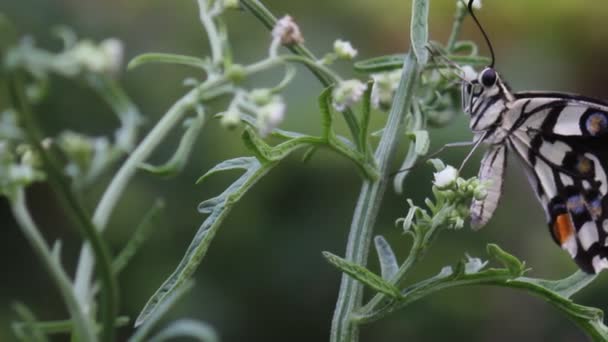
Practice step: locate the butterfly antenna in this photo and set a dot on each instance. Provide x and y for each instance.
(430, 156)
(485, 35)
(446, 62)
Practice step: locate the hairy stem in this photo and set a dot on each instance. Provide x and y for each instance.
(368, 205)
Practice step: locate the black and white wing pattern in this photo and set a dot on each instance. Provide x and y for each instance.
(562, 140)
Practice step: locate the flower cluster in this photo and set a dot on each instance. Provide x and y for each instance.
(347, 93)
(80, 57)
(383, 90)
(19, 167)
(453, 196)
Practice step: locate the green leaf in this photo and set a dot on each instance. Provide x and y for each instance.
(516, 267)
(27, 330)
(187, 328)
(387, 258)
(363, 275)
(326, 117)
(365, 117)
(419, 30)
(380, 63)
(141, 234)
(437, 164)
(153, 317)
(168, 58)
(422, 141)
(217, 208)
(394, 62)
(177, 163)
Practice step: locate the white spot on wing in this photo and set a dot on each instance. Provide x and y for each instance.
(600, 175)
(599, 263)
(568, 120)
(587, 235)
(545, 174)
(566, 180)
(570, 246)
(554, 152)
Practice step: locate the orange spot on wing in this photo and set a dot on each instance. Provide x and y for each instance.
(562, 228)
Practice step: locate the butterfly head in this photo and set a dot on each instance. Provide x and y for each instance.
(483, 98)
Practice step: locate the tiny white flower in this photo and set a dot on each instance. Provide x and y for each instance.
(476, 3)
(383, 90)
(113, 49)
(344, 49)
(287, 31)
(469, 74)
(474, 265)
(445, 177)
(89, 57)
(347, 93)
(271, 115)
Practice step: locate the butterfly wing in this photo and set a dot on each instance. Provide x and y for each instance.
(491, 173)
(563, 140)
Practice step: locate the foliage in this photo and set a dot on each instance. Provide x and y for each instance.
(416, 89)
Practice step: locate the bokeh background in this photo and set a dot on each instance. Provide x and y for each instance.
(264, 278)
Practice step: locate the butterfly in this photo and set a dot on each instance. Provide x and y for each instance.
(562, 142)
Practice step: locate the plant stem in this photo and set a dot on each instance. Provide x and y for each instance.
(83, 327)
(461, 13)
(214, 39)
(73, 207)
(140, 154)
(368, 205)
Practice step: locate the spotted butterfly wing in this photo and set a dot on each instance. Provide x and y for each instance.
(562, 141)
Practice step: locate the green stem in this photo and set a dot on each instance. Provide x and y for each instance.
(74, 210)
(461, 13)
(269, 20)
(83, 327)
(366, 211)
(212, 33)
(119, 182)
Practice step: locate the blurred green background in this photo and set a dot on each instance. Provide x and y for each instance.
(264, 278)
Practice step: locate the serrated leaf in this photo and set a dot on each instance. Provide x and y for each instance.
(387, 258)
(242, 163)
(363, 275)
(162, 307)
(217, 208)
(167, 58)
(179, 159)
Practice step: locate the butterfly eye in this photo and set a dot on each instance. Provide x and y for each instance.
(488, 77)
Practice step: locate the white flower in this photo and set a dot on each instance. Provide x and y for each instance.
(347, 93)
(344, 49)
(287, 31)
(384, 88)
(113, 49)
(474, 265)
(271, 115)
(468, 73)
(476, 3)
(445, 177)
